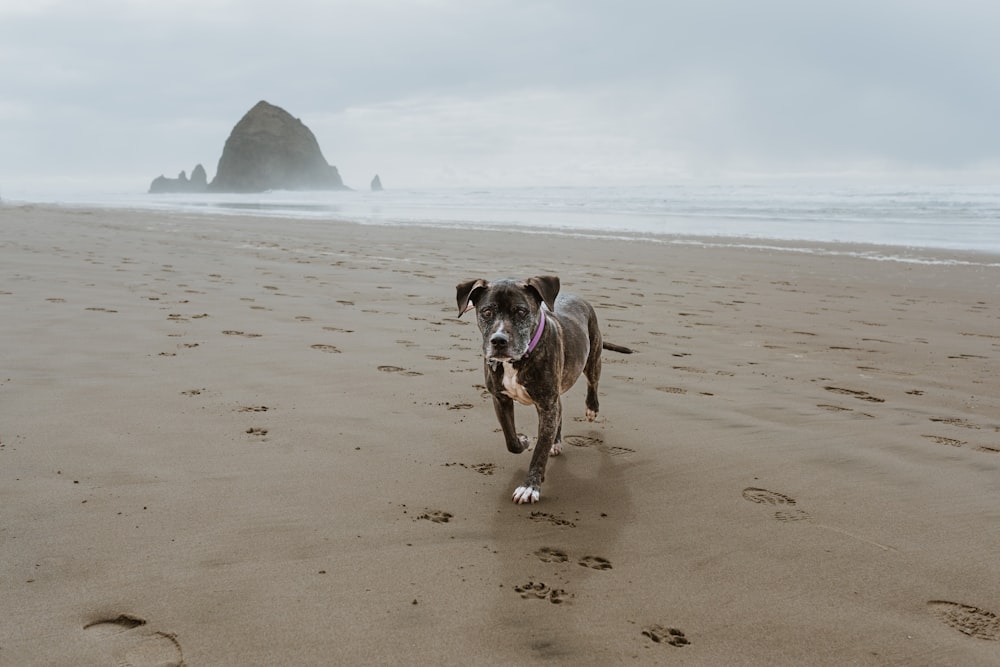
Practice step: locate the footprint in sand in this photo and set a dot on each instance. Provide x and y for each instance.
(550, 555)
(787, 514)
(230, 332)
(582, 441)
(766, 497)
(436, 516)
(856, 393)
(840, 409)
(132, 644)
(545, 517)
(325, 348)
(595, 563)
(955, 421)
(941, 440)
(763, 496)
(970, 621)
(481, 468)
(592, 441)
(662, 635)
(397, 369)
(540, 591)
(113, 626)
(254, 430)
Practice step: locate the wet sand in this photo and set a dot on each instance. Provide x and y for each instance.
(246, 441)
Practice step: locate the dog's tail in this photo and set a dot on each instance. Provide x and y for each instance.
(617, 348)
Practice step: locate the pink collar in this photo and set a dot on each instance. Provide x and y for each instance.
(538, 333)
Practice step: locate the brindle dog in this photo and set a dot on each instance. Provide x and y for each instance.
(536, 343)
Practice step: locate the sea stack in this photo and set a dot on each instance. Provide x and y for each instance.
(269, 149)
(197, 183)
(376, 184)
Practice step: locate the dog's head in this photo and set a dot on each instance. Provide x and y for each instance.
(508, 312)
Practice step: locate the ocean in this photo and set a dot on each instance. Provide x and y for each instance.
(904, 219)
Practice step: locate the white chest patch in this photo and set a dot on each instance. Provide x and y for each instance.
(512, 387)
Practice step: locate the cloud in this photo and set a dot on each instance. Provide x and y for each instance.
(441, 91)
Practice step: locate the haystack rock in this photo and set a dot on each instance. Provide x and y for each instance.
(376, 184)
(271, 150)
(197, 183)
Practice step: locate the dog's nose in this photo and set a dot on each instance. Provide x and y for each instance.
(499, 341)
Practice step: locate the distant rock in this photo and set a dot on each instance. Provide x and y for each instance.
(199, 179)
(197, 183)
(376, 184)
(271, 150)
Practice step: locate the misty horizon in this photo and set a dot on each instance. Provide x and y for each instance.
(507, 94)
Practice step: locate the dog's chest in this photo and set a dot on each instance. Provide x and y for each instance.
(512, 387)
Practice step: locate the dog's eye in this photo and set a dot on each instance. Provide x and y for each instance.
(486, 313)
(521, 313)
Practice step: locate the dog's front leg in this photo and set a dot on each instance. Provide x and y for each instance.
(549, 422)
(504, 407)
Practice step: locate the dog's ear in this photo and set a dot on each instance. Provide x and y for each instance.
(547, 288)
(467, 292)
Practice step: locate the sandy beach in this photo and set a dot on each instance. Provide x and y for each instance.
(250, 441)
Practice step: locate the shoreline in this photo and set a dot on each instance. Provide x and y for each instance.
(225, 441)
(909, 254)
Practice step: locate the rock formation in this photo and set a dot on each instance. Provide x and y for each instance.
(197, 183)
(271, 150)
(199, 179)
(376, 184)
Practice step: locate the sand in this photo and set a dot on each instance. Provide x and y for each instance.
(246, 441)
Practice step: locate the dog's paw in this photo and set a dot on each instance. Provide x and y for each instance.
(591, 415)
(556, 449)
(521, 444)
(526, 494)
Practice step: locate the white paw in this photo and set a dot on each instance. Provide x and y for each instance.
(525, 494)
(556, 449)
(591, 415)
(525, 442)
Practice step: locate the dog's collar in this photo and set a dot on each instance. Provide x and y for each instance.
(538, 334)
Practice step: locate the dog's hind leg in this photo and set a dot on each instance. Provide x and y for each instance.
(592, 371)
(557, 444)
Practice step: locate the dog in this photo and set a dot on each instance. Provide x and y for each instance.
(536, 344)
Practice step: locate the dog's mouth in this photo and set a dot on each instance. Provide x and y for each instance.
(501, 358)
(495, 354)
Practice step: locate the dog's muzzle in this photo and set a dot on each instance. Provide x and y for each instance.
(499, 350)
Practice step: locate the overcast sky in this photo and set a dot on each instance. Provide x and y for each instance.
(507, 92)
